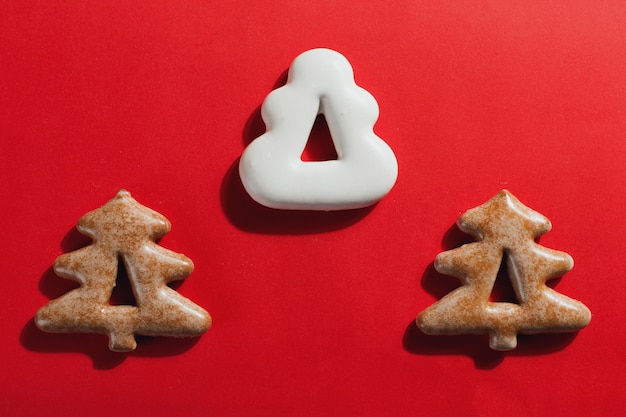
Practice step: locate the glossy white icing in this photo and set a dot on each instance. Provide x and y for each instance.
(271, 169)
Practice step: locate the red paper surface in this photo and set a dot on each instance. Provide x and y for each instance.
(313, 312)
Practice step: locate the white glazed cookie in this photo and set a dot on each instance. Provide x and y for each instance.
(503, 225)
(123, 229)
(320, 81)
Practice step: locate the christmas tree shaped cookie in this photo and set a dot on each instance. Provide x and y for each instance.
(320, 81)
(123, 231)
(504, 229)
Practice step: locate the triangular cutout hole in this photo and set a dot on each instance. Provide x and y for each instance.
(502, 291)
(122, 294)
(320, 146)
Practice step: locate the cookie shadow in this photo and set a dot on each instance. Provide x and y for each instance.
(475, 347)
(93, 345)
(254, 126)
(248, 215)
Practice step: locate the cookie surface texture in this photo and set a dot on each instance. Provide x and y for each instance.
(123, 231)
(504, 229)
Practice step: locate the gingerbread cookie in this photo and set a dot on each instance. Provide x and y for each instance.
(123, 230)
(503, 226)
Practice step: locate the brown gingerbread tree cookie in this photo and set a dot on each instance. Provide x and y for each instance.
(124, 230)
(504, 229)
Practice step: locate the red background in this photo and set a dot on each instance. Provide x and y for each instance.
(313, 312)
